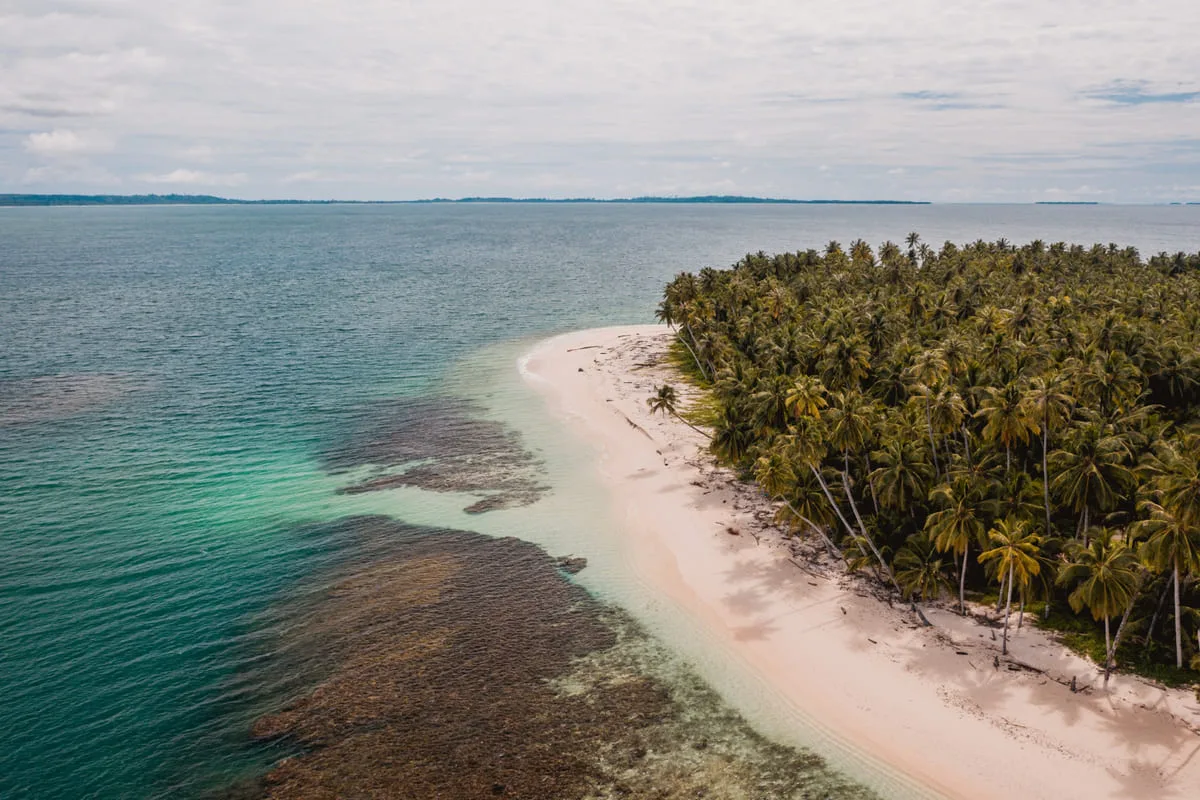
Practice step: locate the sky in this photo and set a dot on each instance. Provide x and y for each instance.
(969, 101)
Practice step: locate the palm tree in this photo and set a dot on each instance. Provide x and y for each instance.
(1091, 471)
(1007, 418)
(947, 412)
(777, 477)
(903, 475)
(806, 444)
(734, 433)
(913, 240)
(920, 569)
(846, 362)
(807, 397)
(1051, 407)
(1173, 542)
(955, 526)
(665, 401)
(1104, 576)
(1014, 548)
(924, 376)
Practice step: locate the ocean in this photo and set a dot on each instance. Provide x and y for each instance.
(204, 412)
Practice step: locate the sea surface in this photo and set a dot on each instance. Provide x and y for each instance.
(187, 394)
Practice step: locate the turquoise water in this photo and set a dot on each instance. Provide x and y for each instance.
(173, 379)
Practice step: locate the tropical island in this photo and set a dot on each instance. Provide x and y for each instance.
(944, 503)
(1011, 422)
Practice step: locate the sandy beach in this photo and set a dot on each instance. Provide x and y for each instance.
(938, 704)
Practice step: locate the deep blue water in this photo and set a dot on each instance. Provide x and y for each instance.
(170, 376)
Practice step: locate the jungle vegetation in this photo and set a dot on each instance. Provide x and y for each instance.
(1017, 423)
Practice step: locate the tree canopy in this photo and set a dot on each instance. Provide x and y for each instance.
(980, 415)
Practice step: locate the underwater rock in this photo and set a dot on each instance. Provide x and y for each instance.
(439, 445)
(572, 565)
(448, 664)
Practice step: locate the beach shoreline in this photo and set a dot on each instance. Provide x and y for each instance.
(938, 704)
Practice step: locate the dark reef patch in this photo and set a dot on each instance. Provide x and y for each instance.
(441, 445)
(447, 664)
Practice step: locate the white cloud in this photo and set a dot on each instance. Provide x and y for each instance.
(62, 143)
(189, 177)
(201, 153)
(1001, 95)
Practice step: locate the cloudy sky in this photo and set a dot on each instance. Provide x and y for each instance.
(978, 100)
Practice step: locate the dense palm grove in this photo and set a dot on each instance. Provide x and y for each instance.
(1023, 421)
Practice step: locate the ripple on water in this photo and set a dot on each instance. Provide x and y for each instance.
(50, 397)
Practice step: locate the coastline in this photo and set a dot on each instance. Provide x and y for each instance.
(928, 702)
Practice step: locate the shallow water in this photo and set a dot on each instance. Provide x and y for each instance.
(184, 393)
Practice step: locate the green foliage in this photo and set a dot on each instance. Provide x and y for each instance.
(1043, 394)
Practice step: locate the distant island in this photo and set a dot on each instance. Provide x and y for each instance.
(208, 200)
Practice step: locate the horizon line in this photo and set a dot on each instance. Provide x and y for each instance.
(13, 199)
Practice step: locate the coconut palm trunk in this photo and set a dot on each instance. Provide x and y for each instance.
(1162, 598)
(962, 582)
(871, 483)
(1046, 470)
(932, 442)
(1178, 628)
(833, 548)
(863, 529)
(1007, 612)
(695, 358)
(1107, 650)
(1112, 651)
(837, 510)
(705, 434)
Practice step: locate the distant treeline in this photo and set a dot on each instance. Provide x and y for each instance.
(205, 199)
(134, 200)
(732, 199)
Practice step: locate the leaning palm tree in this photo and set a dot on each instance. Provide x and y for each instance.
(665, 401)
(808, 442)
(1104, 574)
(1014, 548)
(776, 475)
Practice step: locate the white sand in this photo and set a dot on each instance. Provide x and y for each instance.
(899, 693)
